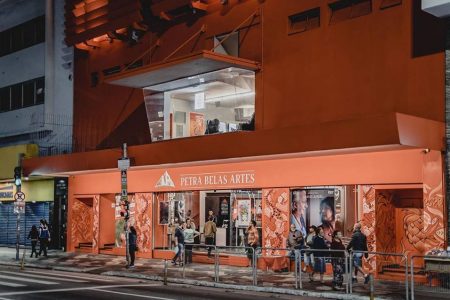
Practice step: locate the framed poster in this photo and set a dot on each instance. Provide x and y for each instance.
(258, 212)
(244, 212)
(196, 124)
(163, 217)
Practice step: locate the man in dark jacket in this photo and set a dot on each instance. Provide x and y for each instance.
(358, 243)
(179, 243)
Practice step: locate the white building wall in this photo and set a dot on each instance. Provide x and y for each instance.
(48, 125)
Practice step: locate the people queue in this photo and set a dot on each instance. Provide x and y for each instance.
(315, 259)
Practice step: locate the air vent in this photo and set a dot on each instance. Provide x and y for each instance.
(348, 9)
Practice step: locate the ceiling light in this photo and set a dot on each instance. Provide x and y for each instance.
(228, 97)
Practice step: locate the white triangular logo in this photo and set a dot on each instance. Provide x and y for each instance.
(165, 180)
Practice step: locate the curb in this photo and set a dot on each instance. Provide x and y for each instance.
(200, 283)
(239, 287)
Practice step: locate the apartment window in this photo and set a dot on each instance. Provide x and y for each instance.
(304, 21)
(348, 9)
(389, 3)
(22, 36)
(5, 99)
(22, 94)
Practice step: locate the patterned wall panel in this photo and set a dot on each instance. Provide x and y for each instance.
(367, 197)
(95, 223)
(413, 237)
(143, 220)
(433, 201)
(385, 222)
(82, 221)
(275, 219)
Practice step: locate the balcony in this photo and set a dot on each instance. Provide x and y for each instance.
(438, 8)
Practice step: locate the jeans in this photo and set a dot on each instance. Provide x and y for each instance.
(43, 246)
(132, 251)
(209, 241)
(33, 248)
(179, 254)
(188, 259)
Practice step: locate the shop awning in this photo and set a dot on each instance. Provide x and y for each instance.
(178, 68)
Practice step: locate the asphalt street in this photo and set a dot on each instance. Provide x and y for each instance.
(46, 284)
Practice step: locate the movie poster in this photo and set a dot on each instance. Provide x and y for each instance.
(244, 212)
(163, 213)
(313, 207)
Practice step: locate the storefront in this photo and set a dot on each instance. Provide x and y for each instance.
(396, 194)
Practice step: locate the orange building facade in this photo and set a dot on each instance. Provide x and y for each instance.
(347, 105)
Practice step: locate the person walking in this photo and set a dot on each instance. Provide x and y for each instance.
(210, 233)
(132, 245)
(44, 237)
(252, 239)
(358, 243)
(179, 244)
(33, 235)
(319, 243)
(189, 237)
(337, 260)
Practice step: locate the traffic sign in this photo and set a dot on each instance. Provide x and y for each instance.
(19, 196)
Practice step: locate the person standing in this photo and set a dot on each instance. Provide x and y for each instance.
(358, 243)
(210, 233)
(211, 214)
(295, 240)
(189, 237)
(44, 237)
(309, 256)
(319, 243)
(132, 247)
(33, 235)
(252, 239)
(179, 243)
(338, 260)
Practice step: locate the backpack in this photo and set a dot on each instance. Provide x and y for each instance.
(44, 233)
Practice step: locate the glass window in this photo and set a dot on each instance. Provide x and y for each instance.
(5, 99)
(217, 102)
(28, 93)
(17, 38)
(5, 42)
(16, 96)
(40, 30)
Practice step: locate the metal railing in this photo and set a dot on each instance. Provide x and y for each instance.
(260, 253)
(246, 250)
(339, 260)
(383, 269)
(378, 264)
(430, 274)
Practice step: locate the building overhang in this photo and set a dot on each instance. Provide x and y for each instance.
(438, 8)
(179, 68)
(393, 131)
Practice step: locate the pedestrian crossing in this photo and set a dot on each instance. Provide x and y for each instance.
(20, 279)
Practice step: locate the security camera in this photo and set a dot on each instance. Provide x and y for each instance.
(426, 150)
(223, 2)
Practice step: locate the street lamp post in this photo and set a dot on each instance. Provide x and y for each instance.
(124, 164)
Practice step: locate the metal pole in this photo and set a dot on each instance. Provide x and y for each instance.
(216, 265)
(296, 268)
(372, 294)
(165, 272)
(412, 277)
(300, 274)
(255, 261)
(406, 278)
(347, 273)
(351, 272)
(124, 182)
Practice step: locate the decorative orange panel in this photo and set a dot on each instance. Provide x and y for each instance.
(143, 220)
(95, 223)
(275, 220)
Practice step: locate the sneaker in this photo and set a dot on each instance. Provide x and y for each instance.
(366, 279)
(131, 266)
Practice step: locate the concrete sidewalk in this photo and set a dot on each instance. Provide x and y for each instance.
(195, 274)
